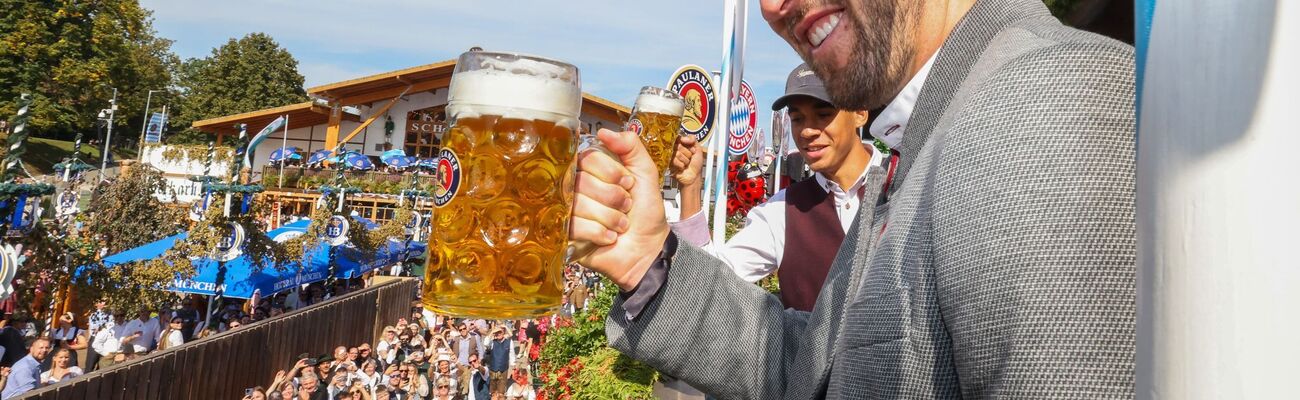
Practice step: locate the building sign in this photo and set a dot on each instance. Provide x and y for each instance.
(336, 230)
(424, 129)
(695, 86)
(744, 121)
(231, 245)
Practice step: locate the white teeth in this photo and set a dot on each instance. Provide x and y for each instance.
(818, 33)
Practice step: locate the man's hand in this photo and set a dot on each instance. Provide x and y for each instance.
(688, 161)
(618, 209)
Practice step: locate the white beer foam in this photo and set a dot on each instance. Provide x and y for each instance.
(659, 105)
(524, 89)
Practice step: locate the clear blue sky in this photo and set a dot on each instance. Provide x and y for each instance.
(618, 45)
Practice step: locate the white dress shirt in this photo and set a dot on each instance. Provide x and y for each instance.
(108, 340)
(755, 251)
(145, 342)
(892, 121)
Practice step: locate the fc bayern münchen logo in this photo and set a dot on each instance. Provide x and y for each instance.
(448, 177)
(744, 120)
(695, 85)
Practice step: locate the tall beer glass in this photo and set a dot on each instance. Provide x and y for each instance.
(504, 195)
(657, 119)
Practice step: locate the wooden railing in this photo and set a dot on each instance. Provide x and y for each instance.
(222, 366)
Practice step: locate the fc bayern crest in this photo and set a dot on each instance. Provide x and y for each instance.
(448, 177)
(231, 246)
(336, 230)
(695, 85)
(743, 122)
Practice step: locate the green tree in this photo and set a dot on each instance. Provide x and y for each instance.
(245, 74)
(125, 213)
(69, 55)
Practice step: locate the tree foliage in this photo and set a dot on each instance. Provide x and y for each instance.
(69, 55)
(246, 74)
(124, 213)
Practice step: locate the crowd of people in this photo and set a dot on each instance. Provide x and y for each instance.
(428, 356)
(38, 353)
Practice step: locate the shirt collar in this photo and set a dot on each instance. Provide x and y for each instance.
(892, 121)
(828, 185)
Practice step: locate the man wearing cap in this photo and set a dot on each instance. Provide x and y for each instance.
(996, 259)
(794, 231)
(500, 356)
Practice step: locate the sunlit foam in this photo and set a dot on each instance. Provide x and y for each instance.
(523, 88)
(659, 105)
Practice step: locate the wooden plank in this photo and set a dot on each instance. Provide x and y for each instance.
(154, 384)
(177, 372)
(77, 390)
(121, 381)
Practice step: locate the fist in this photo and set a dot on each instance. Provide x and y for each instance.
(688, 161)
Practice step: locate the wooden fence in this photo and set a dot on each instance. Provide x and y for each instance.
(222, 366)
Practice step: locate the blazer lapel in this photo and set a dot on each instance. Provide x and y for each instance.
(959, 53)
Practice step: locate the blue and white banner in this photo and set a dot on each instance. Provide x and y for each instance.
(260, 137)
(734, 20)
(154, 129)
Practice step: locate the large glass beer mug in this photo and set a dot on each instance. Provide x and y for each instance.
(504, 192)
(657, 119)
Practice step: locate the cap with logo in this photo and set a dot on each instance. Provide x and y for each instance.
(802, 82)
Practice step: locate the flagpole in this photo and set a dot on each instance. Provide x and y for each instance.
(733, 47)
(284, 142)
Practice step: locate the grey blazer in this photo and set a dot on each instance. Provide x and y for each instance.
(1002, 263)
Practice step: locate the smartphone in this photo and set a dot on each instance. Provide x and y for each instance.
(248, 392)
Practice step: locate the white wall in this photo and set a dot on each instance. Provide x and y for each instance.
(1219, 202)
(177, 173)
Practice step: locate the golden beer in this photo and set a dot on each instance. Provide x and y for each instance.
(657, 119)
(504, 193)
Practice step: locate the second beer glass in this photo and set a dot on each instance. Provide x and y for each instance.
(657, 119)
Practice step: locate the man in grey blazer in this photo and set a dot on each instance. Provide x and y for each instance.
(998, 261)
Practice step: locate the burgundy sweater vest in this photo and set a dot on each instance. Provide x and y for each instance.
(812, 237)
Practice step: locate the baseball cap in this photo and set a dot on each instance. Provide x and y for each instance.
(802, 82)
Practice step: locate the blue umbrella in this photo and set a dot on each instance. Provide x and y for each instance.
(392, 154)
(428, 163)
(357, 161)
(285, 152)
(398, 162)
(318, 156)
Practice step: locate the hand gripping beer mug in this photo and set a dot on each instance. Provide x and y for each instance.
(504, 187)
(657, 119)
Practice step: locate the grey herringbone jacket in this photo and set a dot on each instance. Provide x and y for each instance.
(1001, 264)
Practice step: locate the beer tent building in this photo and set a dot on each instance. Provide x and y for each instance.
(357, 113)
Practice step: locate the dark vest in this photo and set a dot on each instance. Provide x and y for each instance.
(812, 237)
(500, 353)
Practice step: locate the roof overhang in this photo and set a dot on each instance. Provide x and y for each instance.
(305, 114)
(374, 88)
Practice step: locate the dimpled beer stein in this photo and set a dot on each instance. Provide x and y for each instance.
(504, 187)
